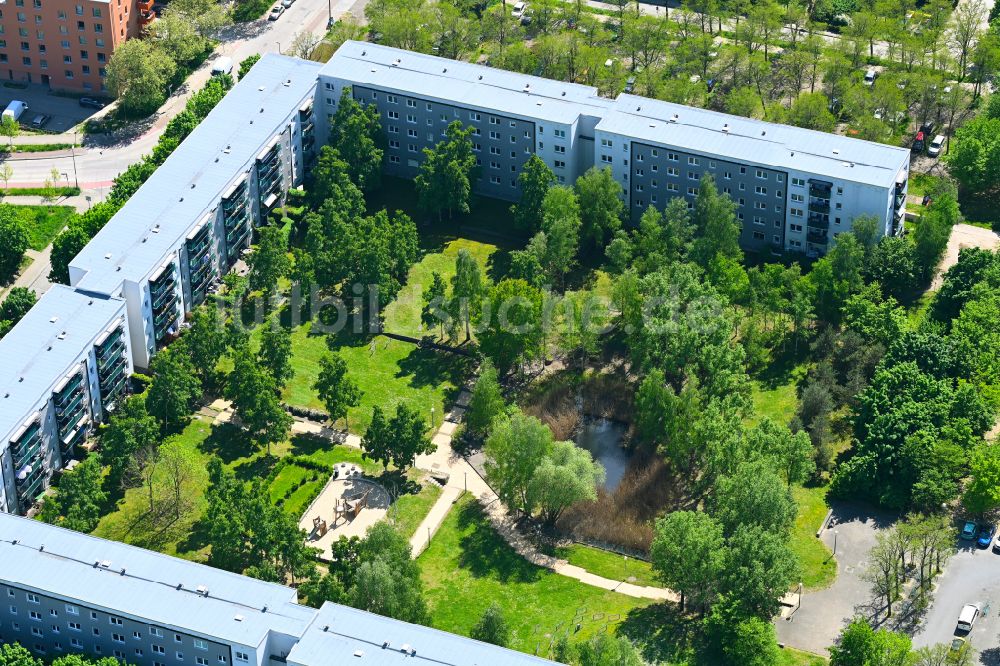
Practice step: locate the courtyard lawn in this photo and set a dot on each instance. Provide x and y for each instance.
(387, 372)
(43, 222)
(410, 510)
(609, 565)
(402, 316)
(777, 403)
(468, 566)
(793, 657)
(819, 568)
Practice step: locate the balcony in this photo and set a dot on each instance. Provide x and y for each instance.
(819, 221)
(166, 316)
(110, 369)
(112, 391)
(68, 448)
(145, 18)
(108, 352)
(29, 488)
(820, 188)
(67, 428)
(65, 392)
(819, 205)
(110, 360)
(162, 325)
(71, 406)
(817, 237)
(26, 450)
(145, 5)
(165, 303)
(198, 247)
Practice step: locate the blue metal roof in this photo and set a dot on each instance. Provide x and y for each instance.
(145, 584)
(341, 635)
(40, 350)
(752, 141)
(137, 240)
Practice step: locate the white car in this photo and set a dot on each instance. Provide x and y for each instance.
(287, 3)
(276, 13)
(870, 76)
(934, 149)
(967, 618)
(519, 8)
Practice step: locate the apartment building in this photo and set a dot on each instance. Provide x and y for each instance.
(512, 116)
(63, 592)
(795, 189)
(65, 365)
(190, 222)
(66, 44)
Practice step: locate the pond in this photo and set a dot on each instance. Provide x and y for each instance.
(603, 438)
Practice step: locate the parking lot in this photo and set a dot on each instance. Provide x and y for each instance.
(64, 112)
(971, 576)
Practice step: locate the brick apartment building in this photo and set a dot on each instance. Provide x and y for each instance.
(66, 44)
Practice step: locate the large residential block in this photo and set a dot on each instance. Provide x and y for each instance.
(62, 592)
(66, 44)
(795, 189)
(189, 223)
(65, 366)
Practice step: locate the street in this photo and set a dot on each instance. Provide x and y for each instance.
(971, 576)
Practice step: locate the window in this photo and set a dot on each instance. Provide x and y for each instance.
(241, 656)
(13, 610)
(475, 116)
(21, 18)
(728, 175)
(711, 164)
(671, 187)
(32, 598)
(475, 132)
(494, 165)
(15, 626)
(640, 172)
(693, 191)
(797, 227)
(693, 175)
(758, 235)
(672, 157)
(98, 28)
(494, 135)
(158, 649)
(560, 134)
(55, 629)
(779, 177)
(743, 187)
(606, 159)
(75, 642)
(798, 198)
(762, 174)
(68, 73)
(799, 182)
(743, 171)
(156, 631)
(779, 209)
(412, 103)
(201, 661)
(779, 194)
(392, 129)
(116, 621)
(494, 150)
(412, 133)
(137, 635)
(35, 615)
(118, 638)
(412, 119)
(393, 159)
(222, 658)
(760, 190)
(694, 161)
(672, 171)
(840, 190)
(560, 164)
(494, 120)
(836, 220)
(838, 205)
(639, 188)
(654, 168)
(776, 239)
(606, 143)
(200, 644)
(97, 12)
(393, 115)
(391, 99)
(742, 201)
(97, 632)
(74, 626)
(84, 55)
(495, 180)
(180, 655)
(81, 26)
(513, 139)
(35, 631)
(560, 150)
(797, 212)
(759, 205)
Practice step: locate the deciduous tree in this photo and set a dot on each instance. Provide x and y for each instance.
(336, 389)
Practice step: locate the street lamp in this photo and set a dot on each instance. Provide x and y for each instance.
(835, 534)
(279, 47)
(72, 152)
(800, 597)
(432, 418)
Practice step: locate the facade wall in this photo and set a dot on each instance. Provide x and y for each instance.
(65, 44)
(51, 627)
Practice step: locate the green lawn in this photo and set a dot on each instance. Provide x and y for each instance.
(609, 565)
(468, 566)
(777, 403)
(410, 510)
(402, 316)
(793, 657)
(819, 568)
(43, 222)
(289, 477)
(387, 372)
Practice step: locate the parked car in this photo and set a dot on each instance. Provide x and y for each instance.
(959, 646)
(91, 103)
(519, 8)
(276, 13)
(967, 618)
(936, 144)
(630, 85)
(968, 531)
(39, 121)
(918, 143)
(986, 532)
(15, 109)
(287, 3)
(870, 76)
(927, 127)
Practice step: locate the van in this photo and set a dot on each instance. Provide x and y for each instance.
(222, 65)
(936, 144)
(870, 76)
(15, 109)
(967, 617)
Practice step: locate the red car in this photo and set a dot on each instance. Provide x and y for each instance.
(918, 143)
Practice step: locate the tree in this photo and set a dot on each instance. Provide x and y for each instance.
(732, 638)
(717, 231)
(960, 281)
(982, 493)
(534, 180)
(174, 388)
(930, 238)
(605, 650)
(303, 44)
(510, 325)
(687, 555)
(275, 351)
(755, 495)
(254, 393)
(130, 429)
(10, 129)
(14, 240)
(811, 110)
(247, 63)
(336, 389)
(19, 300)
(758, 570)
(206, 342)
(492, 627)
(434, 312)
(381, 588)
(6, 173)
(138, 73)
(566, 476)
(974, 156)
(12, 654)
(177, 470)
(446, 175)
(79, 499)
(356, 135)
(790, 454)
(398, 440)
(514, 451)
(269, 262)
(601, 207)
(486, 402)
(860, 645)
(467, 290)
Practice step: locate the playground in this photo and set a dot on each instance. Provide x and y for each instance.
(347, 506)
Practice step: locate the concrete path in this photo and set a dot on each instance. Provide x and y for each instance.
(963, 235)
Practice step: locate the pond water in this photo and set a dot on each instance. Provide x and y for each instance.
(603, 438)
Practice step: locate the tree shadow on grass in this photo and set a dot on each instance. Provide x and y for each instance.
(255, 468)
(427, 367)
(663, 634)
(228, 442)
(484, 552)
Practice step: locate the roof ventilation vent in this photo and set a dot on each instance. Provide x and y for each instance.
(363, 52)
(202, 590)
(385, 644)
(61, 336)
(105, 564)
(480, 77)
(359, 653)
(53, 320)
(725, 128)
(264, 609)
(238, 618)
(107, 256)
(763, 132)
(563, 93)
(122, 572)
(261, 89)
(180, 586)
(444, 71)
(326, 627)
(405, 648)
(262, 109)
(836, 152)
(41, 549)
(413, 652)
(20, 380)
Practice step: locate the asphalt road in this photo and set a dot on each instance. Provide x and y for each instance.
(971, 576)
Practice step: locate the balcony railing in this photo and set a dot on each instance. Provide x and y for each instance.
(71, 406)
(235, 239)
(110, 369)
(68, 427)
(198, 248)
(161, 319)
(110, 395)
(26, 452)
(72, 385)
(108, 352)
(29, 488)
(165, 303)
(817, 237)
(819, 205)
